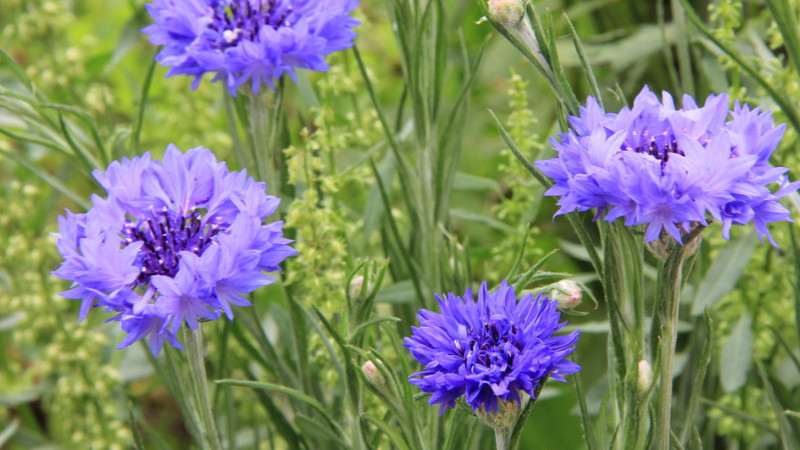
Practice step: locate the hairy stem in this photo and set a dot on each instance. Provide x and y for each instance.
(197, 371)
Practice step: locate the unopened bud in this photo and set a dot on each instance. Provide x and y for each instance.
(645, 375)
(372, 374)
(355, 286)
(506, 12)
(567, 293)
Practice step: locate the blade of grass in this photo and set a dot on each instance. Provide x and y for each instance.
(138, 123)
(52, 181)
(585, 64)
(297, 395)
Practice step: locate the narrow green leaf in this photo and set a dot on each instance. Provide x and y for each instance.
(518, 261)
(373, 212)
(786, 433)
(400, 292)
(9, 431)
(140, 108)
(312, 428)
(515, 150)
(10, 321)
(405, 172)
(18, 71)
(90, 124)
(788, 26)
(49, 179)
(387, 430)
(297, 395)
(796, 284)
(490, 222)
(724, 272)
(137, 436)
(278, 417)
(699, 378)
(585, 64)
(412, 268)
(84, 156)
(785, 345)
(362, 327)
(586, 418)
(466, 182)
(737, 355)
(305, 90)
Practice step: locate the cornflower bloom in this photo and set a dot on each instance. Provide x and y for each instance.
(489, 350)
(174, 242)
(671, 168)
(249, 40)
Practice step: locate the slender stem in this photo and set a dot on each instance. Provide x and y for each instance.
(502, 436)
(671, 277)
(264, 129)
(197, 371)
(260, 150)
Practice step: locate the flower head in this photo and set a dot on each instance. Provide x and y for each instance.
(249, 40)
(490, 349)
(174, 242)
(669, 168)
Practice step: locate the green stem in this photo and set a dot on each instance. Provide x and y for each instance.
(264, 128)
(671, 275)
(197, 371)
(669, 324)
(502, 436)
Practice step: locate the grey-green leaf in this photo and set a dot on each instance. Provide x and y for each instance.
(724, 272)
(737, 355)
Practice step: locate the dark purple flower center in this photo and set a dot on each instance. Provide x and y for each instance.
(491, 350)
(163, 237)
(733, 209)
(241, 20)
(659, 149)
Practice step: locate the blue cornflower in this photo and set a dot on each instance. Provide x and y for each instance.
(249, 40)
(174, 242)
(489, 350)
(670, 168)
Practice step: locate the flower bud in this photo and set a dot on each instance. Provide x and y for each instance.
(645, 375)
(373, 374)
(506, 12)
(355, 286)
(567, 293)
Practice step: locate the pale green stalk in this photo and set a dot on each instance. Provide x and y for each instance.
(671, 278)
(264, 119)
(670, 300)
(502, 436)
(197, 370)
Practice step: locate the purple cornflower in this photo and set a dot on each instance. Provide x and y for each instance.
(174, 242)
(489, 350)
(249, 40)
(669, 168)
